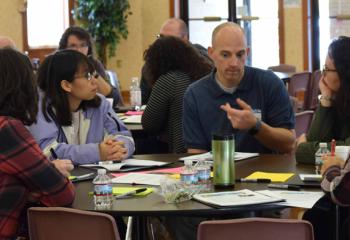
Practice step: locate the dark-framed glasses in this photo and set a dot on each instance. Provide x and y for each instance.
(325, 70)
(89, 75)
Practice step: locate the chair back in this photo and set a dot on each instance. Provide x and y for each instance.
(113, 79)
(303, 121)
(314, 90)
(298, 87)
(256, 228)
(283, 68)
(57, 223)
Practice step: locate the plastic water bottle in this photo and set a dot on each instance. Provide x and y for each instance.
(203, 171)
(323, 150)
(135, 94)
(103, 195)
(188, 174)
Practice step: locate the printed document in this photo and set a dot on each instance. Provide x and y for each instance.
(236, 198)
(209, 157)
(301, 199)
(128, 164)
(139, 178)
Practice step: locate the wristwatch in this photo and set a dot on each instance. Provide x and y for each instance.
(254, 130)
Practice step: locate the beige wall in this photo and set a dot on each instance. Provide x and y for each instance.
(11, 20)
(144, 23)
(293, 38)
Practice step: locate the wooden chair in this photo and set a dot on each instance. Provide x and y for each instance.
(298, 87)
(283, 68)
(57, 223)
(256, 228)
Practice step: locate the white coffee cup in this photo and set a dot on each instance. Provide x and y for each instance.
(342, 152)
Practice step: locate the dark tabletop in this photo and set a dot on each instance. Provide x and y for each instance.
(153, 204)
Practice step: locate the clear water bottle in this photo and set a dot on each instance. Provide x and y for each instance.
(188, 174)
(323, 150)
(203, 171)
(135, 94)
(103, 195)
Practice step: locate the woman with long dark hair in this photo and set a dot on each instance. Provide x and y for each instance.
(171, 66)
(25, 173)
(332, 116)
(74, 120)
(332, 121)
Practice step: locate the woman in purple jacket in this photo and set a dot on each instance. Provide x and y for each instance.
(73, 120)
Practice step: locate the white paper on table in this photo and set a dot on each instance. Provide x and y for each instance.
(236, 198)
(136, 119)
(311, 177)
(139, 178)
(301, 199)
(127, 163)
(208, 156)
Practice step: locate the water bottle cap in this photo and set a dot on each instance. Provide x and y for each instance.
(101, 171)
(323, 144)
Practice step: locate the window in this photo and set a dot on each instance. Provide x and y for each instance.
(259, 19)
(43, 24)
(45, 27)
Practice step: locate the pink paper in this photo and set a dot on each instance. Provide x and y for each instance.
(163, 170)
(130, 113)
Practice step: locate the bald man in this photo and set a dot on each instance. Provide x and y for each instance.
(250, 103)
(6, 42)
(174, 27)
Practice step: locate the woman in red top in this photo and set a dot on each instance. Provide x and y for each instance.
(25, 173)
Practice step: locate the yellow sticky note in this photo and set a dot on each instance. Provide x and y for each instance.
(275, 177)
(122, 190)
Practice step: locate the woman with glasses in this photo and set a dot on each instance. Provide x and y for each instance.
(78, 39)
(332, 117)
(332, 121)
(73, 121)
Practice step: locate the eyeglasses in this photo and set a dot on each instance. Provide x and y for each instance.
(325, 70)
(76, 46)
(88, 75)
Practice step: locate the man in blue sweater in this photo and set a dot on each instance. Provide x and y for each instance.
(250, 103)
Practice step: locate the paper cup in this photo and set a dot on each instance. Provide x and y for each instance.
(342, 152)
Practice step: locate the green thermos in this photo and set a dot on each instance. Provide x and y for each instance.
(223, 149)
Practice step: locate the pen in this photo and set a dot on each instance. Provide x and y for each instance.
(133, 192)
(84, 176)
(53, 153)
(284, 186)
(254, 180)
(333, 147)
